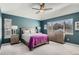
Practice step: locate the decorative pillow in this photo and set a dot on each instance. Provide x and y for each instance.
(33, 31)
(26, 31)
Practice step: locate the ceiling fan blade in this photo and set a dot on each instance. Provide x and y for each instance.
(37, 12)
(35, 8)
(48, 9)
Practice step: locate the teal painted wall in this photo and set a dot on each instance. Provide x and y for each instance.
(20, 22)
(0, 28)
(73, 38)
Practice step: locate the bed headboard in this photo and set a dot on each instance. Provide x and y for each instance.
(30, 30)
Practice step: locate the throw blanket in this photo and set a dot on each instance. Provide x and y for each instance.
(38, 39)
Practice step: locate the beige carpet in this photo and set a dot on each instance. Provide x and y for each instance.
(48, 49)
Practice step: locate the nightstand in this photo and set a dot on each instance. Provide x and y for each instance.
(14, 39)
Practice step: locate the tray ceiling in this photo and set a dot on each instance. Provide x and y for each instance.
(25, 9)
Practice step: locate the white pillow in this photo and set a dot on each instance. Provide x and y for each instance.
(26, 31)
(33, 31)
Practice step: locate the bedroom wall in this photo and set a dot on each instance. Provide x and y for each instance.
(0, 28)
(72, 38)
(20, 22)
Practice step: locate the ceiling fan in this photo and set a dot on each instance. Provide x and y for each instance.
(42, 8)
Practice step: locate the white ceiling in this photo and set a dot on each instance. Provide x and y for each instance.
(25, 9)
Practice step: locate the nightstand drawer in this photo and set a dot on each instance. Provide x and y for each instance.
(14, 39)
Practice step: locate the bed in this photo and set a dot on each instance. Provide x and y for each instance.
(33, 39)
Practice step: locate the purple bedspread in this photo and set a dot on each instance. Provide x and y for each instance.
(38, 39)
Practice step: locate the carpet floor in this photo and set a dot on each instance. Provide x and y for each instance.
(48, 49)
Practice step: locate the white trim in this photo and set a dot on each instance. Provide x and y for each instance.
(68, 33)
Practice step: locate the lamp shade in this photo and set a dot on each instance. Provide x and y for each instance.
(39, 27)
(14, 27)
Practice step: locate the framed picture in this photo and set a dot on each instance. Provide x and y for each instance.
(77, 25)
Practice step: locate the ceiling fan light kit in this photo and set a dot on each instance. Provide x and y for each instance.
(41, 10)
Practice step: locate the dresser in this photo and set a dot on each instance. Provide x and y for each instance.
(14, 39)
(55, 35)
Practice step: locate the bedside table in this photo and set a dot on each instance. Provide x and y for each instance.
(14, 39)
